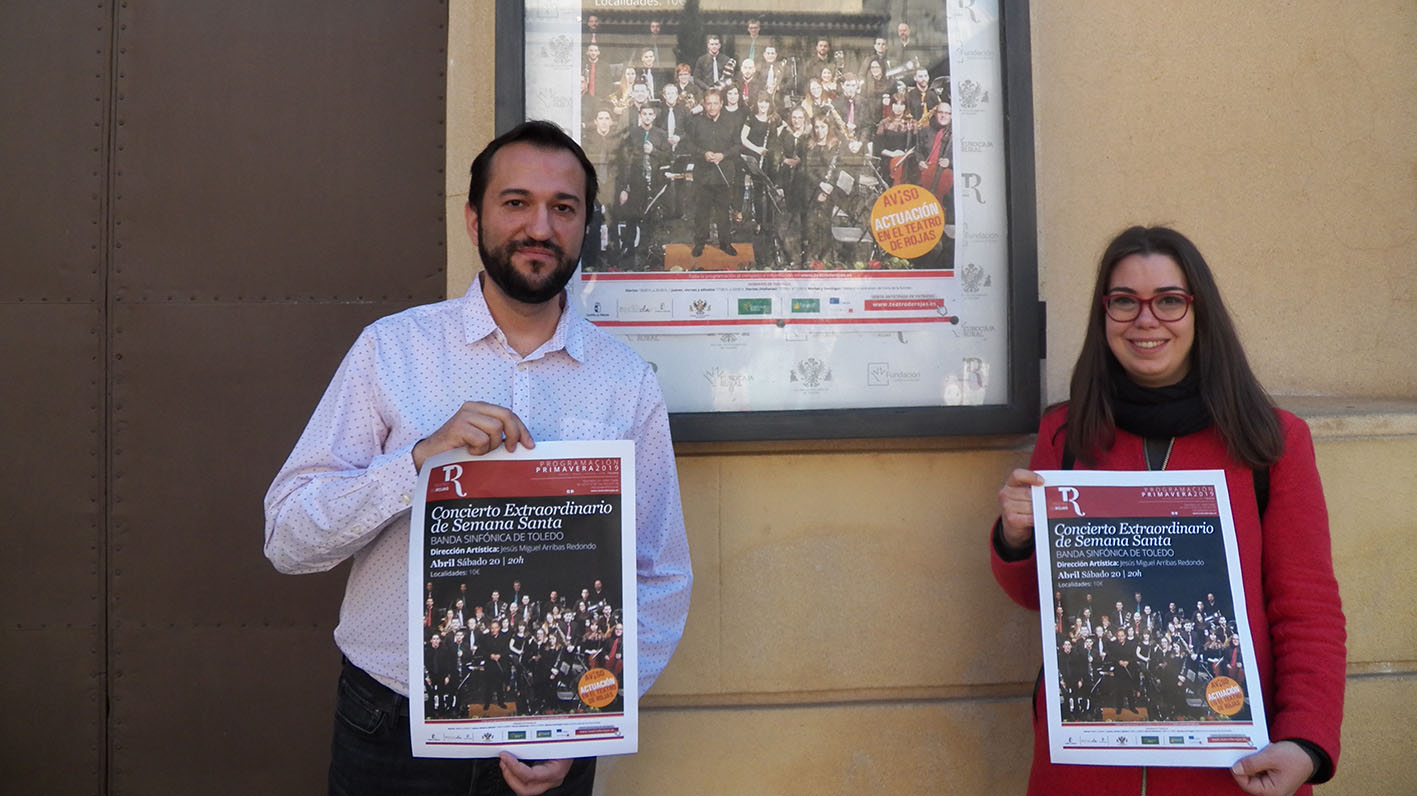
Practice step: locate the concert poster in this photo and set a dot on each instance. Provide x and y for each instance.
(522, 603)
(849, 250)
(1147, 651)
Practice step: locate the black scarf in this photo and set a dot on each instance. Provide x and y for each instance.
(1159, 412)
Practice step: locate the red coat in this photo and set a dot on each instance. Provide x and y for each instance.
(1291, 598)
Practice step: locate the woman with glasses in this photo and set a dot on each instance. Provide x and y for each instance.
(1163, 383)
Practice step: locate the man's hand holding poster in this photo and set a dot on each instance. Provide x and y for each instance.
(522, 603)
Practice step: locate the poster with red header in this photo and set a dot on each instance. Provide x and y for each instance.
(522, 603)
(1147, 652)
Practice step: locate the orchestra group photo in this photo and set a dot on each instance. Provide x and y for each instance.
(1128, 657)
(748, 148)
(512, 652)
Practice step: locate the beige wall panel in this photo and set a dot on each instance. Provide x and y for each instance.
(832, 568)
(1377, 758)
(1371, 487)
(696, 667)
(1278, 136)
(961, 747)
(471, 44)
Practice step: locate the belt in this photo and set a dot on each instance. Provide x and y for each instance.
(376, 692)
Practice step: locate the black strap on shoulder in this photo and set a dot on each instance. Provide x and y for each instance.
(1262, 489)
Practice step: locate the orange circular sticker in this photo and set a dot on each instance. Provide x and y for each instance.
(598, 687)
(1224, 696)
(907, 221)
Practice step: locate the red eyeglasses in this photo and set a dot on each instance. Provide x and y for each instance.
(1125, 307)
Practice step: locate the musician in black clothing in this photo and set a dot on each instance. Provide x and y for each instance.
(438, 674)
(716, 146)
(922, 97)
(758, 136)
(772, 73)
(818, 170)
(789, 155)
(464, 669)
(1122, 666)
(857, 113)
(493, 649)
(650, 73)
(711, 69)
(1074, 679)
(599, 75)
(643, 157)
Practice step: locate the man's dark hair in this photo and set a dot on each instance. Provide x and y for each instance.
(541, 134)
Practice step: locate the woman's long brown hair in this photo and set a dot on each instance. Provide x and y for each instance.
(1238, 405)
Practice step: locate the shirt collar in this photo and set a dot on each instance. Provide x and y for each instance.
(570, 333)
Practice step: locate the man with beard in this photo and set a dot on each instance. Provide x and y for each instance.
(921, 99)
(903, 52)
(509, 363)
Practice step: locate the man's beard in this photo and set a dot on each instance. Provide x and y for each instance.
(498, 265)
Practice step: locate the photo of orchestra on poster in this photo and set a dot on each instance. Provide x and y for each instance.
(512, 646)
(752, 150)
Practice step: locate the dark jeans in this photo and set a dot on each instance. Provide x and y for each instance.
(372, 754)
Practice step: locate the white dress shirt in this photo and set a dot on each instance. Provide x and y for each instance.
(347, 488)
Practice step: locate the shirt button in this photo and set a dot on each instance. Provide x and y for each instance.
(521, 366)
(405, 499)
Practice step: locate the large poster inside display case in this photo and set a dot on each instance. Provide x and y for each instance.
(813, 223)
